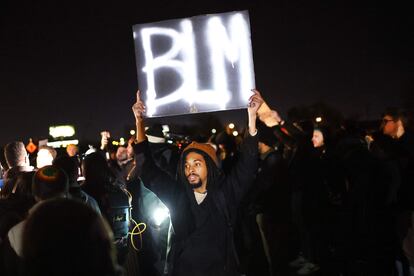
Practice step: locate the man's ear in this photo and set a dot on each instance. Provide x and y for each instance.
(27, 160)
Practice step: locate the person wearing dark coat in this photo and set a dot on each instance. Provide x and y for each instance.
(203, 201)
(261, 233)
(398, 153)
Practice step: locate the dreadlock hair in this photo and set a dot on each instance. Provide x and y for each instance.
(214, 174)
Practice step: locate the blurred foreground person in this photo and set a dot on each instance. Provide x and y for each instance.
(48, 182)
(81, 245)
(203, 201)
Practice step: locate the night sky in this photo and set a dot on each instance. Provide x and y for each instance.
(73, 63)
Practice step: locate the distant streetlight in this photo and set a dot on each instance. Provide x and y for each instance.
(231, 126)
(318, 119)
(213, 130)
(121, 141)
(235, 133)
(132, 132)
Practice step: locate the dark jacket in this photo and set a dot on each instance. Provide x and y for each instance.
(203, 241)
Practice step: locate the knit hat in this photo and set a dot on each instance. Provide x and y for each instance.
(204, 147)
(49, 182)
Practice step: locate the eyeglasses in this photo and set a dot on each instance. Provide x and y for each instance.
(385, 121)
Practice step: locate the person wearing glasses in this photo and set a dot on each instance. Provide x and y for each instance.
(396, 124)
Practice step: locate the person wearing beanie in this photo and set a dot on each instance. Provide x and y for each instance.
(202, 201)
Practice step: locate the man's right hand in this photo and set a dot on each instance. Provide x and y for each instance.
(105, 135)
(138, 108)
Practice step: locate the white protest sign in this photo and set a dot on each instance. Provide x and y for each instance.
(198, 64)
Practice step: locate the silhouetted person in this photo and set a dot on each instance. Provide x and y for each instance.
(101, 184)
(66, 237)
(398, 154)
(70, 166)
(48, 182)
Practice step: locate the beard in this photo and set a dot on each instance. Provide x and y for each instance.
(195, 185)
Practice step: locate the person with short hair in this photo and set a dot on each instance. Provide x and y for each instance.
(394, 122)
(70, 166)
(72, 150)
(318, 138)
(17, 161)
(16, 155)
(400, 151)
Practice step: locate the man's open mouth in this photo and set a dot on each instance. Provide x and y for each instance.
(193, 178)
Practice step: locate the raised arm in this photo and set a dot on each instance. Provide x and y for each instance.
(269, 117)
(288, 133)
(242, 174)
(154, 178)
(255, 101)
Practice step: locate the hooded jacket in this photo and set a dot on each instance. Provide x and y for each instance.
(203, 241)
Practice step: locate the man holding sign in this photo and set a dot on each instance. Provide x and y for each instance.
(202, 201)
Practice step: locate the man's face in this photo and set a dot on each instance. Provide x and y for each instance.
(317, 139)
(389, 126)
(195, 169)
(130, 151)
(72, 150)
(121, 154)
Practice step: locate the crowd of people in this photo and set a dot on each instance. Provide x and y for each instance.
(290, 198)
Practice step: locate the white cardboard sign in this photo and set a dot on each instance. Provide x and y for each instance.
(198, 64)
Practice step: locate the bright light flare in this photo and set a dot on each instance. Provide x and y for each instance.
(159, 215)
(122, 141)
(63, 144)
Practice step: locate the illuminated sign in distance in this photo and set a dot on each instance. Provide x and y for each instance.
(61, 131)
